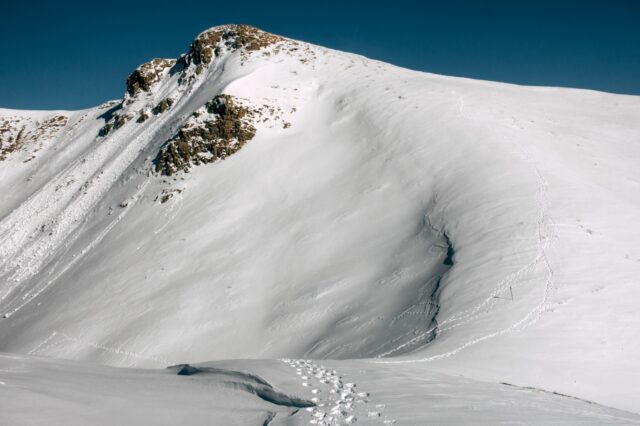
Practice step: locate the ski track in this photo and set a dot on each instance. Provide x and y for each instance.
(544, 235)
(337, 403)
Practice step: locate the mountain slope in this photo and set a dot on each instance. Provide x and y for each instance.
(330, 206)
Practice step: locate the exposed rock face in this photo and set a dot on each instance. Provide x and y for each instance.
(105, 130)
(163, 106)
(116, 121)
(148, 74)
(167, 194)
(11, 139)
(16, 133)
(208, 44)
(214, 131)
(201, 53)
(144, 116)
(118, 116)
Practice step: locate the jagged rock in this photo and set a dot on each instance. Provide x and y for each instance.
(215, 131)
(147, 74)
(17, 133)
(163, 106)
(202, 48)
(104, 131)
(144, 116)
(114, 123)
(208, 44)
(120, 121)
(167, 194)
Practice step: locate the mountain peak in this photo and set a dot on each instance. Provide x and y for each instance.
(209, 43)
(261, 197)
(147, 74)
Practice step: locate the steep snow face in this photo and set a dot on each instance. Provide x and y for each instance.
(23, 136)
(453, 224)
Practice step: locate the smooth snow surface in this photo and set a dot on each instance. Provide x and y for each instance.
(424, 223)
(38, 391)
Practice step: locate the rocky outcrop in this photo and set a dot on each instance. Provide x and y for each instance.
(208, 44)
(148, 74)
(144, 116)
(148, 77)
(214, 131)
(11, 137)
(18, 133)
(115, 122)
(163, 106)
(118, 116)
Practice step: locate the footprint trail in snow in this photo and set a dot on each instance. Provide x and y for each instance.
(337, 402)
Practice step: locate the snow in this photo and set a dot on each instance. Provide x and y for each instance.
(57, 392)
(54, 392)
(327, 240)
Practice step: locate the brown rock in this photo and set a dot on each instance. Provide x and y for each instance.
(207, 141)
(147, 74)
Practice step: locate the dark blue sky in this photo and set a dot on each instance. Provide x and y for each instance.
(72, 54)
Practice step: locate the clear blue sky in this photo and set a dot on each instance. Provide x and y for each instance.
(72, 54)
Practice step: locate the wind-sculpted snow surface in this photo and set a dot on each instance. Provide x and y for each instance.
(373, 212)
(258, 392)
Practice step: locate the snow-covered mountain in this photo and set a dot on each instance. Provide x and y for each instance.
(261, 197)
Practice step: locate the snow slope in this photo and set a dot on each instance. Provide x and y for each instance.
(410, 220)
(257, 392)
